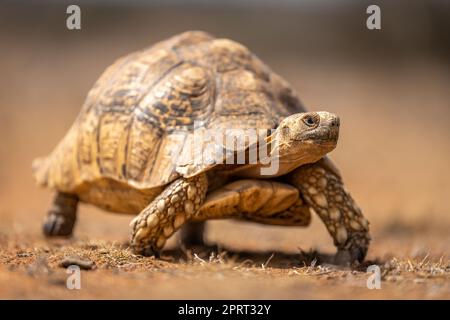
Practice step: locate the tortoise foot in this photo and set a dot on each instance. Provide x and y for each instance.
(57, 225)
(147, 251)
(61, 218)
(354, 252)
(348, 257)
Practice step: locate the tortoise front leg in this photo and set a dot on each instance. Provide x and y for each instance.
(62, 215)
(167, 213)
(322, 188)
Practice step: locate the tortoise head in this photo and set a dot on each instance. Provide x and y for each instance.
(304, 138)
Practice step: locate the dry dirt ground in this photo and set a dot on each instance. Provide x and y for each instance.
(393, 152)
(30, 268)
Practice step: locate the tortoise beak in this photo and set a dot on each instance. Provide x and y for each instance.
(329, 123)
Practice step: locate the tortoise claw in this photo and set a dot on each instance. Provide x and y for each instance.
(147, 251)
(346, 257)
(354, 251)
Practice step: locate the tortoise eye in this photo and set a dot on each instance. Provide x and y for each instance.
(309, 120)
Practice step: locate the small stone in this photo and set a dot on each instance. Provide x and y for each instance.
(170, 211)
(419, 280)
(312, 179)
(331, 228)
(341, 235)
(335, 214)
(321, 200)
(393, 278)
(338, 198)
(24, 254)
(179, 220)
(189, 207)
(75, 261)
(161, 205)
(312, 190)
(152, 220)
(168, 231)
(191, 192)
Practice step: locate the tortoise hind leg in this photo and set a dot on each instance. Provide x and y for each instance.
(266, 202)
(297, 215)
(250, 199)
(192, 233)
(62, 215)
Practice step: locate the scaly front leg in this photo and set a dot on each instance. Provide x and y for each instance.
(167, 213)
(321, 186)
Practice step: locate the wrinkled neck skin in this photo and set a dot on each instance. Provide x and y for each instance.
(289, 162)
(285, 156)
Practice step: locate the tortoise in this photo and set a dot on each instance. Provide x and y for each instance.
(135, 149)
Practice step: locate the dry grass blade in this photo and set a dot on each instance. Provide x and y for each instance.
(264, 265)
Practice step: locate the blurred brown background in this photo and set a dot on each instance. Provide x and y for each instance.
(390, 87)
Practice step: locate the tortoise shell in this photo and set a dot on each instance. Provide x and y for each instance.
(147, 104)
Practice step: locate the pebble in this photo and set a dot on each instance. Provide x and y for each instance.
(82, 263)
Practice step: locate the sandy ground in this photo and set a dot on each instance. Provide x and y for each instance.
(393, 152)
(30, 268)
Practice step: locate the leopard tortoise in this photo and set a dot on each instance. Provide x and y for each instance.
(137, 148)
